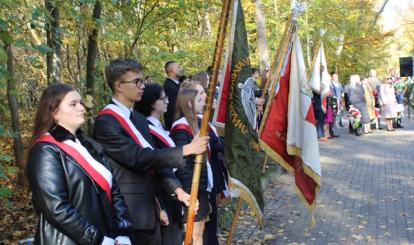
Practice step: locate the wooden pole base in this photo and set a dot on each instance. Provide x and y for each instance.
(234, 223)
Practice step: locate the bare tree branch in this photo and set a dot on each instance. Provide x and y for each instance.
(374, 22)
(139, 31)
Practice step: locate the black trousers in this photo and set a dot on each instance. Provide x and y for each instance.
(147, 237)
(319, 116)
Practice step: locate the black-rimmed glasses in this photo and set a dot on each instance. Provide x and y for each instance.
(139, 82)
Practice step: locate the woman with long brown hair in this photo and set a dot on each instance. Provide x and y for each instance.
(74, 192)
(218, 168)
(189, 104)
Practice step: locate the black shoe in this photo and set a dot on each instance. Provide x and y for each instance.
(399, 126)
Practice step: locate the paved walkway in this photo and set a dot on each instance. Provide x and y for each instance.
(367, 195)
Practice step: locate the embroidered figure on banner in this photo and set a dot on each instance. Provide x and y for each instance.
(248, 100)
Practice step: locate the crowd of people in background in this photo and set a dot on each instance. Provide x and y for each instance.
(365, 99)
(131, 183)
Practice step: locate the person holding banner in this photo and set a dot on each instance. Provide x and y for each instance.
(75, 194)
(218, 168)
(125, 136)
(190, 103)
(152, 105)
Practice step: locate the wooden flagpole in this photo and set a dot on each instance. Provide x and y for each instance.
(277, 65)
(234, 223)
(264, 164)
(282, 44)
(224, 18)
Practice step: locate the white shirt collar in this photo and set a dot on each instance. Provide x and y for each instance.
(124, 109)
(176, 81)
(155, 122)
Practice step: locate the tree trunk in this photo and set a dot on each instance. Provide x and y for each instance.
(90, 61)
(92, 50)
(14, 109)
(53, 36)
(262, 41)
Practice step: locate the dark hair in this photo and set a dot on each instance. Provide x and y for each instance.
(254, 70)
(51, 98)
(210, 70)
(119, 67)
(168, 65)
(152, 93)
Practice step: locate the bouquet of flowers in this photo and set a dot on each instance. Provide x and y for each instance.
(354, 116)
(399, 86)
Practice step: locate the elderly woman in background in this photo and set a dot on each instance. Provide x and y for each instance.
(389, 102)
(356, 95)
(375, 85)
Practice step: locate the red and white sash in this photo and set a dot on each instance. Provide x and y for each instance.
(211, 127)
(182, 124)
(127, 124)
(99, 173)
(161, 135)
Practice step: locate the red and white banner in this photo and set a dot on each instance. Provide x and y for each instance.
(320, 78)
(289, 133)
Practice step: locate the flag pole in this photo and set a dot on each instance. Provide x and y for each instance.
(224, 18)
(264, 164)
(278, 64)
(281, 46)
(234, 223)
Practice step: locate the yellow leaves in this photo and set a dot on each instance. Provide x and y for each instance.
(268, 237)
(89, 101)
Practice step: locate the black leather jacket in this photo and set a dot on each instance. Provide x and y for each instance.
(72, 208)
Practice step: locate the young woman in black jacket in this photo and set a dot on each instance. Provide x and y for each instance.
(74, 192)
(189, 104)
(216, 160)
(152, 105)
